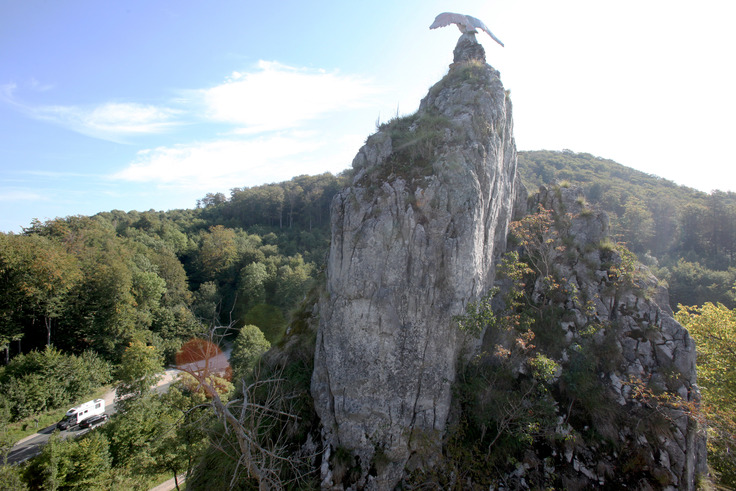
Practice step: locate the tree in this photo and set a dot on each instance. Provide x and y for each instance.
(90, 462)
(49, 379)
(43, 273)
(71, 464)
(183, 424)
(252, 284)
(664, 214)
(693, 284)
(247, 348)
(131, 433)
(159, 433)
(140, 368)
(12, 478)
(268, 319)
(539, 239)
(256, 422)
(637, 225)
(211, 199)
(206, 304)
(147, 289)
(713, 326)
(692, 228)
(292, 282)
(217, 252)
(102, 313)
(11, 320)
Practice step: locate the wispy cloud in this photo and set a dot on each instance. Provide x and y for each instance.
(16, 195)
(39, 86)
(110, 121)
(269, 110)
(266, 113)
(277, 96)
(113, 121)
(269, 97)
(212, 163)
(7, 92)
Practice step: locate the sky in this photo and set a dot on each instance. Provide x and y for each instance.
(138, 105)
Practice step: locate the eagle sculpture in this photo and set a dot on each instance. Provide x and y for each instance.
(465, 23)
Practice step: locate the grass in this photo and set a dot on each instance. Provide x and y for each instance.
(414, 141)
(607, 245)
(473, 71)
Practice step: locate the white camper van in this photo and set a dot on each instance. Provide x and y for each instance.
(76, 415)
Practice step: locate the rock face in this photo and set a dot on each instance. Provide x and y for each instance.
(413, 240)
(650, 370)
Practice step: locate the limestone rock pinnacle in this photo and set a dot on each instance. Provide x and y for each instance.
(413, 240)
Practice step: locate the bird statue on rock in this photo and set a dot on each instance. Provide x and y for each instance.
(465, 23)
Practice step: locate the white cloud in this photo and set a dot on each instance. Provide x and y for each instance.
(269, 109)
(215, 164)
(110, 121)
(7, 92)
(272, 96)
(113, 121)
(15, 195)
(40, 87)
(277, 96)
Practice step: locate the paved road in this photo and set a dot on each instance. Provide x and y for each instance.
(170, 484)
(31, 446)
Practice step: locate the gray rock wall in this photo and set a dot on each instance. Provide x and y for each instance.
(413, 240)
(655, 351)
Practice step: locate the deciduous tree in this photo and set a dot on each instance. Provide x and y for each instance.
(140, 368)
(713, 326)
(247, 348)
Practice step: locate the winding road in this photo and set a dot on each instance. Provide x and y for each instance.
(31, 445)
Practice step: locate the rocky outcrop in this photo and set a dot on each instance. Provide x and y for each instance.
(613, 306)
(413, 240)
(595, 381)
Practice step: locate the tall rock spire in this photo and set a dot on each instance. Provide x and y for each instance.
(413, 240)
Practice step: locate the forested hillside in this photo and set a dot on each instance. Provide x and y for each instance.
(687, 237)
(78, 293)
(97, 282)
(85, 301)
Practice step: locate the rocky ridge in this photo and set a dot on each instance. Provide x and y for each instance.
(641, 361)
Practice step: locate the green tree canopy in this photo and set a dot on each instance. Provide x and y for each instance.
(71, 464)
(247, 348)
(140, 368)
(713, 326)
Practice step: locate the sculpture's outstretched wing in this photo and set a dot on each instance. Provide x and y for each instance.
(447, 18)
(465, 23)
(480, 25)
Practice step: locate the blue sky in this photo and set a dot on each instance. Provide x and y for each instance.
(152, 104)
